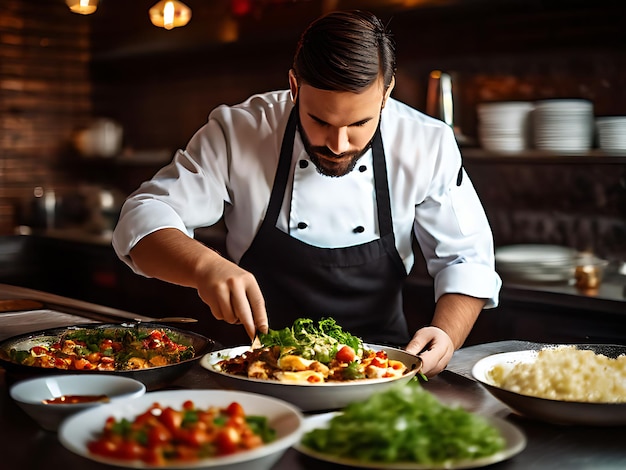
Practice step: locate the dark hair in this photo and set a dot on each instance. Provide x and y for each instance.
(345, 51)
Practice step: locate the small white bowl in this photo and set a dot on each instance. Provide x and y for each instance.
(30, 394)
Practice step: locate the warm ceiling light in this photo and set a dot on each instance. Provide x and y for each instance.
(169, 14)
(84, 7)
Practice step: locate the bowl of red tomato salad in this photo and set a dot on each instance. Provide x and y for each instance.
(215, 429)
(152, 353)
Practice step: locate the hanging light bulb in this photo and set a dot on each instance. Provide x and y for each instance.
(84, 7)
(170, 14)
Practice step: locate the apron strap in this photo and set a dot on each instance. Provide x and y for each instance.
(282, 171)
(383, 201)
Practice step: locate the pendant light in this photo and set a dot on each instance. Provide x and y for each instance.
(83, 7)
(170, 14)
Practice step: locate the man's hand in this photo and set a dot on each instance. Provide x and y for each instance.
(233, 295)
(434, 347)
(454, 318)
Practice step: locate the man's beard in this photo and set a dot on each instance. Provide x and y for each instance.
(328, 163)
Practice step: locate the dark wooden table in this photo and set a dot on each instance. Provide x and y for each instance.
(25, 446)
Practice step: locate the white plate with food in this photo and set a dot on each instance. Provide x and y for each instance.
(307, 380)
(84, 433)
(492, 439)
(583, 384)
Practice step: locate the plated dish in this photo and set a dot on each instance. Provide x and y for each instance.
(557, 411)
(315, 365)
(311, 396)
(138, 354)
(515, 443)
(406, 427)
(77, 431)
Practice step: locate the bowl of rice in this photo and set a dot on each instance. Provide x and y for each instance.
(568, 384)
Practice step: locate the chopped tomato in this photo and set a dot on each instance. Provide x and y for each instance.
(171, 418)
(235, 409)
(345, 354)
(378, 362)
(164, 435)
(227, 440)
(158, 435)
(130, 450)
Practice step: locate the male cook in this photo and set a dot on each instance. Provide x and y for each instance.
(322, 188)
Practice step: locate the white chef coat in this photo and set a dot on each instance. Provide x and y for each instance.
(228, 168)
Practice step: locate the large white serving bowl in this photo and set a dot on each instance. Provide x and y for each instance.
(543, 409)
(315, 396)
(30, 394)
(78, 430)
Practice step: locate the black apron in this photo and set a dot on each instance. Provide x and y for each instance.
(359, 286)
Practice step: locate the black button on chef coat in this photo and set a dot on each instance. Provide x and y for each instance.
(359, 286)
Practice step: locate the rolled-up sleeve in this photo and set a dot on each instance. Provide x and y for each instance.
(182, 195)
(453, 231)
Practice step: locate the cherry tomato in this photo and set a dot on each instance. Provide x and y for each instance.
(130, 450)
(235, 409)
(158, 434)
(171, 418)
(227, 440)
(154, 456)
(104, 447)
(188, 405)
(345, 354)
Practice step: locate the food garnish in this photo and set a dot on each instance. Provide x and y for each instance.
(312, 353)
(163, 435)
(106, 349)
(405, 423)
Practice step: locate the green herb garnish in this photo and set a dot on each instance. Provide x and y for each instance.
(314, 342)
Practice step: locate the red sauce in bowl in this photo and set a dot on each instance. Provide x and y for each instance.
(74, 399)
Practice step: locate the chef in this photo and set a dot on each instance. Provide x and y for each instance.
(322, 188)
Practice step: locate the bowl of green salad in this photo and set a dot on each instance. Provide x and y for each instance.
(406, 427)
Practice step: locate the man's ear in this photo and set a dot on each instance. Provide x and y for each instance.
(293, 86)
(389, 90)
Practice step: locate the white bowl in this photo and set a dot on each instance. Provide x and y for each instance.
(30, 395)
(543, 409)
(314, 396)
(285, 419)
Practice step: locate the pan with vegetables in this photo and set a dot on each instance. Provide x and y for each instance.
(152, 353)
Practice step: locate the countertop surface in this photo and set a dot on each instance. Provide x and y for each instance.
(26, 446)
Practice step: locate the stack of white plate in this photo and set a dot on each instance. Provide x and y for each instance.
(536, 263)
(504, 126)
(612, 133)
(562, 125)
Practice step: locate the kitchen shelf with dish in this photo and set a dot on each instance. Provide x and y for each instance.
(594, 157)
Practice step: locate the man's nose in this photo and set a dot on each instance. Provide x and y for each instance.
(337, 140)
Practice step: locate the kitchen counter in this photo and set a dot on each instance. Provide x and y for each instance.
(25, 446)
